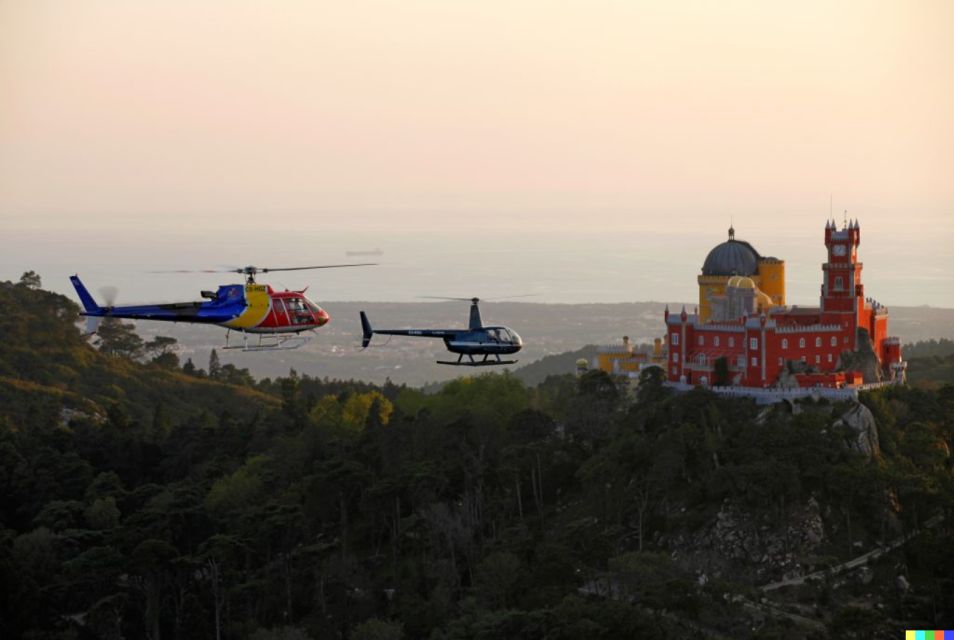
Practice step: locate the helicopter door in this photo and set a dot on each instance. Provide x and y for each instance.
(281, 313)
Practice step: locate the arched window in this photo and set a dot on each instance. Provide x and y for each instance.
(801, 343)
(715, 341)
(785, 343)
(834, 341)
(731, 341)
(818, 341)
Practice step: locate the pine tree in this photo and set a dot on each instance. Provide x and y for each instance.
(215, 368)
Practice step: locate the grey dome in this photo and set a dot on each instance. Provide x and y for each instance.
(731, 258)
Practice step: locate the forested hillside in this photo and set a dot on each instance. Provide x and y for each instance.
(145, 498)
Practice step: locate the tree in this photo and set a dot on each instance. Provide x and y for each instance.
(30, 280)
(102, 514)
(496, 578)
(161, 351)
(118, 338)
(215, 367)
(374, 629)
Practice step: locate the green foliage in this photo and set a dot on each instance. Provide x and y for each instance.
(375, 629)
(281, 633)
(102, 514)
(243, 487)
(118, 338)
(496, 579)
(30, 280)
(151, 502)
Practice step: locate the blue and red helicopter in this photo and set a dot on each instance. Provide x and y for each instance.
(278, 317)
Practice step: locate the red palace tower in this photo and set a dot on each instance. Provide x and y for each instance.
(744, 339)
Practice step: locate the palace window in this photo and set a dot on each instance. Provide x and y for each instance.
(818, 342)
(839, 283)
(731, 341)
(753, 343)
(702, 341)
(834, 341)
(715, 341)
(675, 339)
(785, 343)
(755, 361)
(740, 362)
(829, 358)
(780, 362)
(801, 343)
(817, 359)
(675, 357)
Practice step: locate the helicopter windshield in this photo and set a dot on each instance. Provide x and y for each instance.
(311, 305)
(503, 334)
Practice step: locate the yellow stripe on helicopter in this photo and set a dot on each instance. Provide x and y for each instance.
(258, 305)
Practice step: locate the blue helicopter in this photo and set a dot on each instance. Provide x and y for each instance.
(475, 340)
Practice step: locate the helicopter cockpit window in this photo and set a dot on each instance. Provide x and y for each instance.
(508, 336)
(298, 313)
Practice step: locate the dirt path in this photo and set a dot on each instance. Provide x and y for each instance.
(854, 562)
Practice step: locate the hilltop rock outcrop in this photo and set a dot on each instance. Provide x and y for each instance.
(863, 430)
(863, 359)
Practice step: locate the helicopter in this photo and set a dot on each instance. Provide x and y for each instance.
(278, 317)
(475, 340)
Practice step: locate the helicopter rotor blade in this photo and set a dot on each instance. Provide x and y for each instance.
(475, 299)
(253, 270)
(320, 266)
(195, 271)
(525, 295)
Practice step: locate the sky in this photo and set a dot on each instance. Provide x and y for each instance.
(559, 140)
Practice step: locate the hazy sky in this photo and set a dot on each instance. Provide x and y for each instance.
(654, 116)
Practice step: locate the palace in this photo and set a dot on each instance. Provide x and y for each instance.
(743, 334)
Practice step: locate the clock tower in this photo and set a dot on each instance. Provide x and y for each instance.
(841, 289)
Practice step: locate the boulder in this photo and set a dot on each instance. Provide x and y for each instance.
(863, 359)
(863, 430)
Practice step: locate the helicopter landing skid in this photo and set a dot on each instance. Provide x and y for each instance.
(268, 342)
(486, 362)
